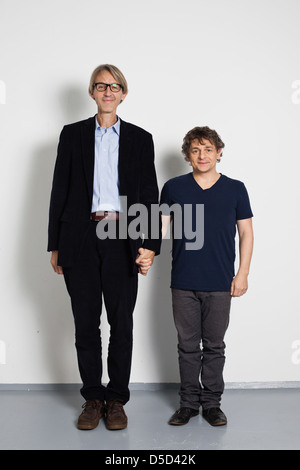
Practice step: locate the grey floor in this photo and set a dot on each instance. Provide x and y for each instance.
(46, 420)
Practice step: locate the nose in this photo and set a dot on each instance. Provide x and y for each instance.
(107, 91)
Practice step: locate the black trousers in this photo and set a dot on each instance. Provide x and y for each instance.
(104, 272)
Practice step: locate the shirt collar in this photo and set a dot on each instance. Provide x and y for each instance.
(115, 127)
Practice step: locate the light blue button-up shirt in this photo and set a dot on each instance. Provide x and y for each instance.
(106, 178)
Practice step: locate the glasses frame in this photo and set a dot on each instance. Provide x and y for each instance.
(107, 85)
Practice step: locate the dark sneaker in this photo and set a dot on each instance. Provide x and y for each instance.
(182, 416)
(214, 416)
(93, 410)
(115, 415)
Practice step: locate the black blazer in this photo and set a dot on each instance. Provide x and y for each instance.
(72, 189)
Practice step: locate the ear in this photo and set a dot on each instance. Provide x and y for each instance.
(219, 153)
(123, 97)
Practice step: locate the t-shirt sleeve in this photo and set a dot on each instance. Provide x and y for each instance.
(243, 209)
(165, 200)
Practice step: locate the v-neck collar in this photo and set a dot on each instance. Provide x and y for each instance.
(207, 189)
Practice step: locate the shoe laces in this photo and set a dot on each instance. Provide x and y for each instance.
(90, 404)
(115, 406)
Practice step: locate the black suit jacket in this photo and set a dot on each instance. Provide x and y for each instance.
(72, 189)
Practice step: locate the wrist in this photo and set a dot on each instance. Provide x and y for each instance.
(243, 271)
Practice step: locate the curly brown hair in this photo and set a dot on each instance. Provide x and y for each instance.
(200, 133)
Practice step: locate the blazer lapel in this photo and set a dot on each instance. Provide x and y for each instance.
(88, 152)
(125, 154)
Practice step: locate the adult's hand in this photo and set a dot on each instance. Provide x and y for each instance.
(53, 261)
(239, 285)
(144, 260)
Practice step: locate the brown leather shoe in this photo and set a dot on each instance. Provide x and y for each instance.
(115, 415)
(93, 410)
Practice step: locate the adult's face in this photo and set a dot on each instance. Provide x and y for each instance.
(203, 156)
(107, 101)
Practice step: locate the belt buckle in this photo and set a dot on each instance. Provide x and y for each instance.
(105, 215)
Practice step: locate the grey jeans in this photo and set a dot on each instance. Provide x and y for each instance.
(201, 320)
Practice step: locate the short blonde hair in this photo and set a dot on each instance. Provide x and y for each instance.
(114, 71)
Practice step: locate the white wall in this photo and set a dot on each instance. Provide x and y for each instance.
(232, 65)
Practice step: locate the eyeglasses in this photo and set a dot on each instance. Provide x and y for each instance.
(114, 87)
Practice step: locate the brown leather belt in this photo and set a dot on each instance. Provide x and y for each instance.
(100, 215)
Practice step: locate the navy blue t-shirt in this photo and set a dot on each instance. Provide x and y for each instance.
(210, 268)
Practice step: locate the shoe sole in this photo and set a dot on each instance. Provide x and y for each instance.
(219, 423)
(86, 427)
(177, 424)
(173, 423)
(115, 427)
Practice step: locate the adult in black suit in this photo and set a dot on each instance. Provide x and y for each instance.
(92, 267)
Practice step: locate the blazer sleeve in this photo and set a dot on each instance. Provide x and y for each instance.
(60, 187)
(149, 194)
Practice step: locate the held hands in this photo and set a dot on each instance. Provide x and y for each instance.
(53, 261)
(144, 260)
(239, 285)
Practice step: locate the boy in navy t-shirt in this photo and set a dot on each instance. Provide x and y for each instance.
(205, 207)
